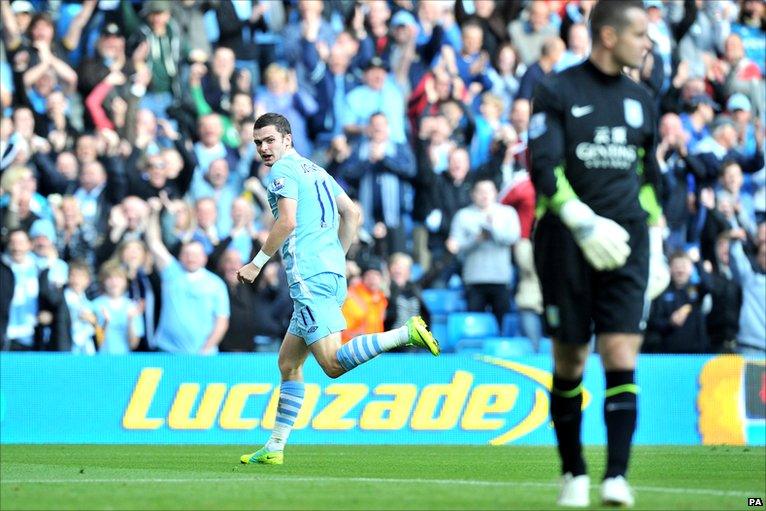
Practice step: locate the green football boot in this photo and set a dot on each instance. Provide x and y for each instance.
(421, 336)
(263, 456)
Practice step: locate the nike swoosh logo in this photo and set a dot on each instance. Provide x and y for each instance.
(579, 111)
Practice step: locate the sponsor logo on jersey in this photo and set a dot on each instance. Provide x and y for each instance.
(580, 111)
(609, 149)
(278, 184)
(634, 113)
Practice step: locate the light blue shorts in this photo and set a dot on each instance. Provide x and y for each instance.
(316, 307)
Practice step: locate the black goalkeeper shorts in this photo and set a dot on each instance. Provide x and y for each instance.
(580, 301)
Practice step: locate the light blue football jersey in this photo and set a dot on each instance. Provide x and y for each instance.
(314, 246)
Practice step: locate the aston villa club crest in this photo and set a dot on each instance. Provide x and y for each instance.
(634, 113)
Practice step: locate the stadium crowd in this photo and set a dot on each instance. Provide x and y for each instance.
(132, 191)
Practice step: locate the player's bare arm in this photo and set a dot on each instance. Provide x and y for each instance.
(350, 217)
(283, 227)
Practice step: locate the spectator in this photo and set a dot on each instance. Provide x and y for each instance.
(191, 24)
(43, 237)
(377, 94)
(481, 235)
(74, 239)
(578, 47)
(502, 74)
(20, 208)
(530, 31)
(752, 279)
(22, 315)
(144, 287)
(723, 320)
(310, 22)
(223, 187)
(676, 165)
(405, 297)
(118, 315)
(677, 320)
(449, 193)
(96, 195)
(333, 80)
(267, 295)
(110, 57)
(700, 113)
(740, 74)
(187, 286)
(210, 145)
(366, 303)
(739, 108)
(741, 201)
(409, 60)
(158, 47)
(382, 168)
(720, 147)
(750, 28)
(575, 13)
(127, 222)
(550, 53)
(472, 63)
(492, 20)
(488, 122)
(83, 321)
(45, 53)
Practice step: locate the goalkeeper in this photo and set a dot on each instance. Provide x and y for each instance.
(592, 144)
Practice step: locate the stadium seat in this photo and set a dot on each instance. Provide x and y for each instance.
(444, 301)
(511, 326)
(438, 327)
(469, 325)
(508, 347)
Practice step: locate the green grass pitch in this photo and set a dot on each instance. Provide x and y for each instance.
(360, 477)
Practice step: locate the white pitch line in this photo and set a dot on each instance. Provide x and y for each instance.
(464, 482)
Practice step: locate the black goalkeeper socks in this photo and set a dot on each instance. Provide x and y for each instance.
(620, 412)
(566, 412)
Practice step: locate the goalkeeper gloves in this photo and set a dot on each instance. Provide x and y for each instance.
(659, 274)
(604, 242)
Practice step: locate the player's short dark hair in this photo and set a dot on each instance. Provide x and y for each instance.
(611, 13)
(280, 123)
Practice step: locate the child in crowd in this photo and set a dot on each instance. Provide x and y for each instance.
(83, 320)
(117, 314)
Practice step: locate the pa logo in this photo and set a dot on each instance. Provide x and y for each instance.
(755, 502)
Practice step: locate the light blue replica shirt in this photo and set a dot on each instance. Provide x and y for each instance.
(191, 304)
(314, 246)
(116, 340)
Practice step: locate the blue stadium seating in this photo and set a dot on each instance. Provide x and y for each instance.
(444, 301)
(511, 326)
(438, 327)
(469, 325)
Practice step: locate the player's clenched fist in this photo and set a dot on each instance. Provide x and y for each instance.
(248, 273)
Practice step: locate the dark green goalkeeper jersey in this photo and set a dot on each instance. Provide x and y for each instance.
(593, 136)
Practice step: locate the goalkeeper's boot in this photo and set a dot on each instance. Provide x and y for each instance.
(575, 491)
(421, 336)
(263, 456)
(615, 491)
